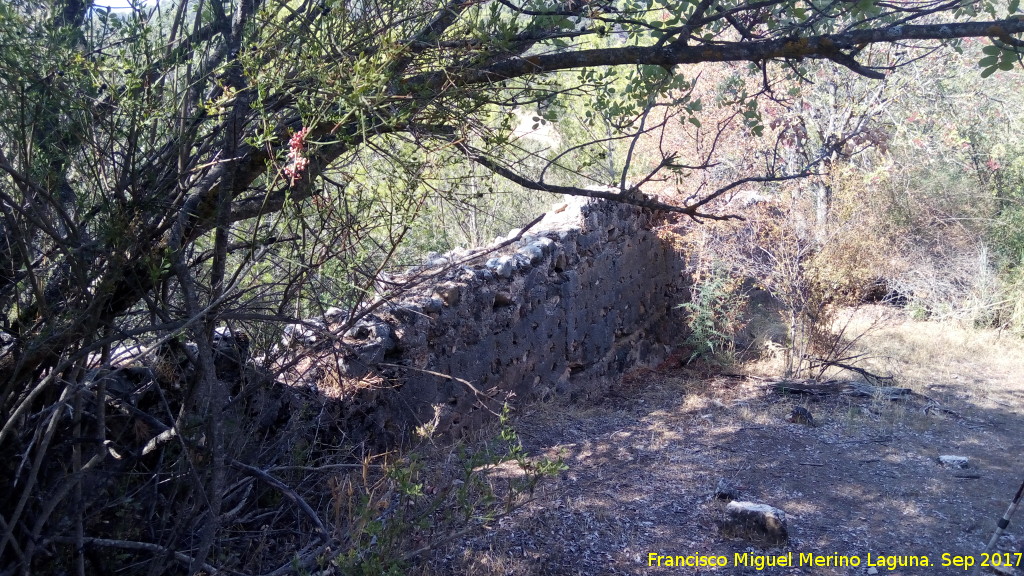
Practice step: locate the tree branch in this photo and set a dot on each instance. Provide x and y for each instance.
(825, 46)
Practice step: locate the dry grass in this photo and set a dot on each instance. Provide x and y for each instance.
(948, 362)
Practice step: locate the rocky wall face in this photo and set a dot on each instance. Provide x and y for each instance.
(584, 296)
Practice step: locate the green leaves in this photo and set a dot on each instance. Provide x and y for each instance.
(866, 8)
(997, 58)
(752, 117)
(713, 316)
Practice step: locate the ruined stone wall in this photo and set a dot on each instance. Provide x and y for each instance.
(587, 294)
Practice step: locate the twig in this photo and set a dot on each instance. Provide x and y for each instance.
(745, 376)
(879, 440)
(481, 396)
(300, 561)
(936, 408)
(301, 503)
(850, 367)
(324, 468)
(30, 482)
(454, 536)
(146, 546)
(15, 547)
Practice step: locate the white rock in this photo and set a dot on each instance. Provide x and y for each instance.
(335, 314)
(757, 522)
(298, 335)
(532, 252)
(950, 461)
(501, 265)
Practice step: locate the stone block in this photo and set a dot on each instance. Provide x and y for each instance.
(759, 523)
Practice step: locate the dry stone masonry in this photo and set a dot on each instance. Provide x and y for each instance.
(587, 294)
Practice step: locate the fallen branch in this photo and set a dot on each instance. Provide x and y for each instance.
(865, 390)
(858, 388)
(868, 375)
(807, 387)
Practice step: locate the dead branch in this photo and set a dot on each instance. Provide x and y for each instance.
(287, 492)
(863, 372)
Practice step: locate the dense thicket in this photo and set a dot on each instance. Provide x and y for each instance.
(189, 165)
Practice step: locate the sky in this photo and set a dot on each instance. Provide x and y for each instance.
(117, 4)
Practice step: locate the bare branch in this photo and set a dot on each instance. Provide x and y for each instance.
(795, 48)
(288, 493)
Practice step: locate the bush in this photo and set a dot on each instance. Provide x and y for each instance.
(715, 311)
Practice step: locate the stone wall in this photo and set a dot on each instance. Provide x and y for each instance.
(585, 295)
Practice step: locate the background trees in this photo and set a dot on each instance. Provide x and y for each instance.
(908, 206)
(190, 165)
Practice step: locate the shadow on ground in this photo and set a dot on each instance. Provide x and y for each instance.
(644, 463)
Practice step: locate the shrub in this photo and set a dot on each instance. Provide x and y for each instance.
(715, 312)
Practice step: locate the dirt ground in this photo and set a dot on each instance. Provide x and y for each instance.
(644, 463)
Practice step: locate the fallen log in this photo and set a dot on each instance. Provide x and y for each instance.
(857, 388)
